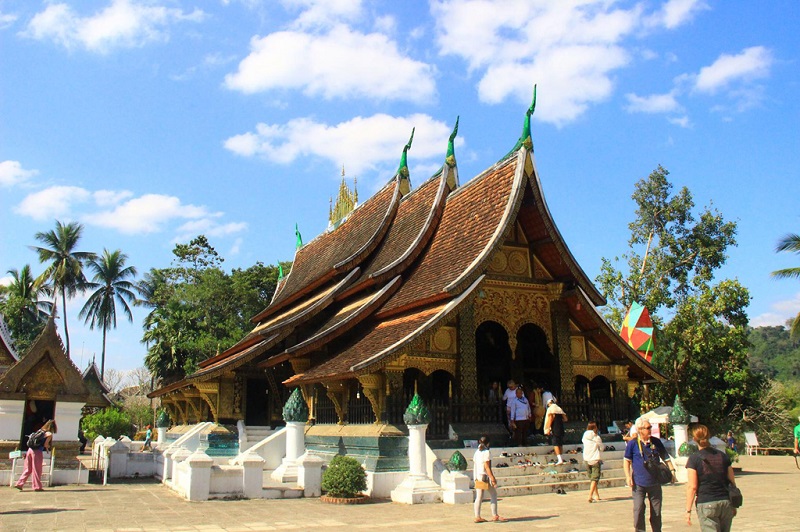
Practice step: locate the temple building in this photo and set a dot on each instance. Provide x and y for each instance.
(440, 289)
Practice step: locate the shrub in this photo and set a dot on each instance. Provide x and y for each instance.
(111, 423)
(344, 477)
(733, 456)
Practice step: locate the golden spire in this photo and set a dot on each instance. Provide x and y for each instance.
(346, 201)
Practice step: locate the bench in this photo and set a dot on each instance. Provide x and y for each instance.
(752, 447)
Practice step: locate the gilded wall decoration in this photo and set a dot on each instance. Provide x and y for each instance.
(42, 382)
(427, 365)
(511, 260)
(514, 305)
(595, 355)
(444, 340)
(592, 371)
(238, 391)
(578, 347)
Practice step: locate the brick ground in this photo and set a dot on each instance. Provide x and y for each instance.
(770, 485)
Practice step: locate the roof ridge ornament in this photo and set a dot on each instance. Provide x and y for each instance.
(402, 170)
(450, 158)
(299, 237)
(525, 138)
(346, 202)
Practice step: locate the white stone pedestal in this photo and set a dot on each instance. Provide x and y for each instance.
(681, 436)
(162, 434)
(417, 488)
(455, 488)
(295, 447)
(309, 474)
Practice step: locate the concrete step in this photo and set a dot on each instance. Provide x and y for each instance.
(546, 477)
(282, 492)
(553, 487)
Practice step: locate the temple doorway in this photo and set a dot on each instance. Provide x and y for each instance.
(538, 364)
(493, 356)
(256, 406)
(36, 414)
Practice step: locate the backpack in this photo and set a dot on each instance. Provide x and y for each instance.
(36, 440)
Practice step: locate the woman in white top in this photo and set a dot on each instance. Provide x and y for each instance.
(482, 470)
(592, 445)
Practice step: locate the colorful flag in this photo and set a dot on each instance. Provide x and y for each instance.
(637, 331)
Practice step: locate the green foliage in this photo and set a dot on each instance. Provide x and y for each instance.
(687, 449)
(110, 423)
(733, 456)
(198, 309)
(139, 410)
(344, 477)
(701, 335)
(791, 243)
(23, 310)
(771, 416)
(774, 354)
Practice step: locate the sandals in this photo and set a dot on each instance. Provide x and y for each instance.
(480, 520)
(499, 519)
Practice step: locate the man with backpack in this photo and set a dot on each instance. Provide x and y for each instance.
(38, 442)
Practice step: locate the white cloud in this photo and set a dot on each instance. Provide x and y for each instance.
(780, 313)
(655, 103)
(146, 214)
(677, 12)
(360, 144)
(682, 121)
(208, 227)
(324, 12)
(122, 24)
(753, 63)
(6, 20)
(342, 63)
(105, 198)
(570, 48)
(52, 202)
(12, 173)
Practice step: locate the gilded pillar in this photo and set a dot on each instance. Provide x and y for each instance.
(467, 359)
(563, 345)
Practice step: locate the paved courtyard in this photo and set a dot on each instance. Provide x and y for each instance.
(770, 484)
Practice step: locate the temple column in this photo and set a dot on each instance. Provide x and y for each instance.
(562, 345)
(468, 356)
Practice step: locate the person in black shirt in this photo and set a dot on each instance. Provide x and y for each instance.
(710, 472)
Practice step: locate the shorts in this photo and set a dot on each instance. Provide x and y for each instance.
(593, 470)
(556, 440)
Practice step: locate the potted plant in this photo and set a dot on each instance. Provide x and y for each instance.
(344, 480)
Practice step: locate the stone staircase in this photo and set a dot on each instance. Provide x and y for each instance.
(255, 434)
(518, 479)
(272, 489)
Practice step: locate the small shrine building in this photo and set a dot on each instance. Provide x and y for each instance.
(441, 289)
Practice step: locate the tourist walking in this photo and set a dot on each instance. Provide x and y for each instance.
(148, 439)
(645, 448)
(519, 415)
(537, 407)
(730, 441)
(710, 473)
(554, 421)
(508, 396)
(484, 480)
(34, 457)
(630, 431)
(796, 436)
(592, 447)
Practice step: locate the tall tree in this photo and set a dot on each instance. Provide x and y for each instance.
(790, 242)
(701, 340)
(65, 265)
(24, 311)
(111, 289)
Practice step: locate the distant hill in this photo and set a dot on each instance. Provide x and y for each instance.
(773, 354)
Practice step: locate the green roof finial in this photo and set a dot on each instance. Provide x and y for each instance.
(525, 139)
(450, 159)
(299, 238)
(403, 168)
(280, 271)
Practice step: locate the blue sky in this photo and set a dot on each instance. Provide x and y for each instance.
(151, 122)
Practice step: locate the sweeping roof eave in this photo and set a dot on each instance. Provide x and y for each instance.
(339, 326)
(352, 241)
(427, 320)
(541, 204)
(640, 364)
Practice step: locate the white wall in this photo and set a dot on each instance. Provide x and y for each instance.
(11, 412)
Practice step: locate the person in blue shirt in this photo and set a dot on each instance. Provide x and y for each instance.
(148, 438)
(644, 485)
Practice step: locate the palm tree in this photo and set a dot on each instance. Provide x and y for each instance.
(790, 242)
(66, 265)
(25, 312)
(111, 288)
